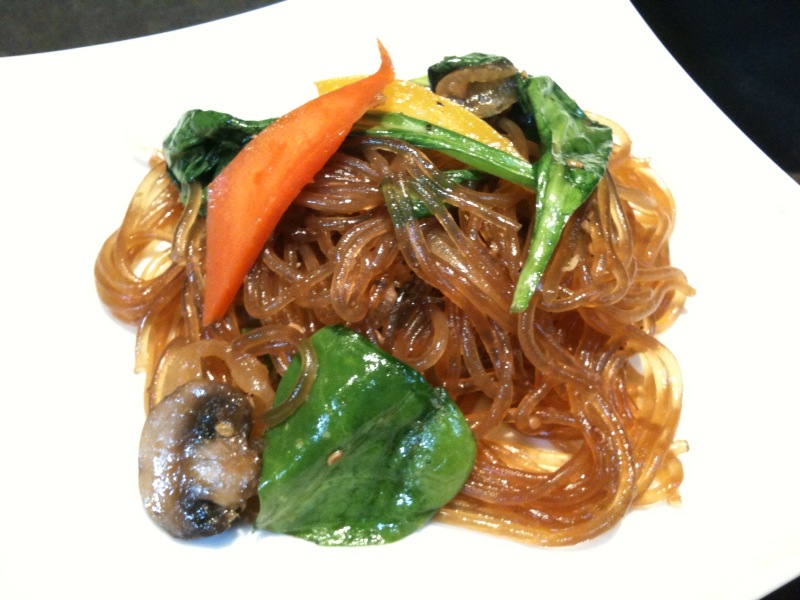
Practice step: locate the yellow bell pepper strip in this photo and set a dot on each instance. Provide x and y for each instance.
(416, 101)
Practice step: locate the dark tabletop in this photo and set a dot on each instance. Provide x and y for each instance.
(745, 54)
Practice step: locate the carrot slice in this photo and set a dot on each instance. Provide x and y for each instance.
(247, 199)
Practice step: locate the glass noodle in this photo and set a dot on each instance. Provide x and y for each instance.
(574, 402)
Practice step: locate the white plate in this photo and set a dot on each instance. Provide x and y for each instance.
(74, 127)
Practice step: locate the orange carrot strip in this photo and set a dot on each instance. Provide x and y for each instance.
(248, 198)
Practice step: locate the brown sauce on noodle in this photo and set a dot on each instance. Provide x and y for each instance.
(575, 402)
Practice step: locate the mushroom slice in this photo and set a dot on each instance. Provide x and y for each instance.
(485, 84)
(197, 466)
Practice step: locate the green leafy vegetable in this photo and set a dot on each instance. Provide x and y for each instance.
(204, 141)
(369, 457)
(574, 155)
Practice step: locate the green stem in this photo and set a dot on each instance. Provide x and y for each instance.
(574, 155)
(426, 135)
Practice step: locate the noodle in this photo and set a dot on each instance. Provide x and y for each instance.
(574, 402)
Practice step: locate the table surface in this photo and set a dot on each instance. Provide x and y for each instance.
(743, 54)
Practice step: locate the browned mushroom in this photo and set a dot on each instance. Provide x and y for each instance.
(197, 466)
(486, 89)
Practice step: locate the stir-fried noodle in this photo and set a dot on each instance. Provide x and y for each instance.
(574, 402)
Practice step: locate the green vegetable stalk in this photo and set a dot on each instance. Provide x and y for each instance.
(574, 154)
(426, 135)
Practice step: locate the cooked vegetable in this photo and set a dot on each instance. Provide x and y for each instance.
(574, 152)
(485, 84)
(204, 141)
(197, 466)
(425, 135)
(371, 454)
(187, 149)
(247, 199)
(421, 103)
(464, 177)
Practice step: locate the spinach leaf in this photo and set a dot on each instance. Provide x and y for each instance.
(369, 457)
(204, 141)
